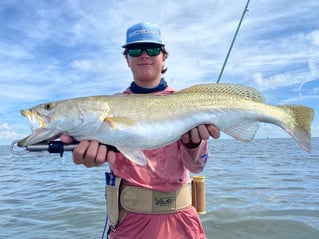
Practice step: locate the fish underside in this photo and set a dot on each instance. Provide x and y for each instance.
(133, 123)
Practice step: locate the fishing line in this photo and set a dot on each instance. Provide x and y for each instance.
(232, 43)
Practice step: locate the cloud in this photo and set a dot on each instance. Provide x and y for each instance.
(83, 65)
(8, 133)
(314, 37)
(274, 81)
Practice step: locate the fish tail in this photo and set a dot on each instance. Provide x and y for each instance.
(300, 129)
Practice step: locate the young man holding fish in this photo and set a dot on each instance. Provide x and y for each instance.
(153, 199)
(165, 178)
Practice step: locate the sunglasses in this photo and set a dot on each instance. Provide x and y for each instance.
(151, 50)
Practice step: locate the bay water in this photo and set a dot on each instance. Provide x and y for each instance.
(268, 188)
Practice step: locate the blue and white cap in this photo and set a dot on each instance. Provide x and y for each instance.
(143, 32)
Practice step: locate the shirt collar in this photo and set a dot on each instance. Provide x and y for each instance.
(136, 89)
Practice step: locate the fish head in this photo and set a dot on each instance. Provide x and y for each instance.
(42, 119)
(52, 119)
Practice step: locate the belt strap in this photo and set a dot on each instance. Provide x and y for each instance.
(143, 200)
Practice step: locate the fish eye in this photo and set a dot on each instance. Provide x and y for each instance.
(48, 106)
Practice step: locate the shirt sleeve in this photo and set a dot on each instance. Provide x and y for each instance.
(194, 159)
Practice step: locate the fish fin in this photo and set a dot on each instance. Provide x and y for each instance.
(121, 120)
(244, 131)
(136, 156)
(224, 88)
(302, 118)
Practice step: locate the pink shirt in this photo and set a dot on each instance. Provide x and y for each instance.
(167, 169)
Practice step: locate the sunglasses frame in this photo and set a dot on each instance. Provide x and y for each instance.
(149, 48)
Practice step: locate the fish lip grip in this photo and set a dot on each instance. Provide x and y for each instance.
(50, 146)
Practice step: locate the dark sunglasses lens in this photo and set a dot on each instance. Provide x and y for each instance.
(153, 51)
(134, 52)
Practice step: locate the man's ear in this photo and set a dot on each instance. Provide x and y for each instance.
(164, 57)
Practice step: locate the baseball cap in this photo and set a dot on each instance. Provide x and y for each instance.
(143, 32)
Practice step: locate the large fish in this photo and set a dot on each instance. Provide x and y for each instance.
(133, 123)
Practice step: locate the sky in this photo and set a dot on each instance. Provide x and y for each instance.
(53, 50)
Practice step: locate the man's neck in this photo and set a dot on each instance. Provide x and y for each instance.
(149, 83)
(138, 89)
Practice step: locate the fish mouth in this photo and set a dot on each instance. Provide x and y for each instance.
(39, 127)
(36, 120)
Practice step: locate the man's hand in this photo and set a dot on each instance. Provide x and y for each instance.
(193, 138)
(89, 152)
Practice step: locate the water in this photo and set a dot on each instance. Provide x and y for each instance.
(263, 189)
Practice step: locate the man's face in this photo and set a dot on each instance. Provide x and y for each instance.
(146, 62)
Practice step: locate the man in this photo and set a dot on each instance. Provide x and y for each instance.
(165, 179)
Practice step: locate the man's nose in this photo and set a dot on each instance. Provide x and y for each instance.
(144, 53)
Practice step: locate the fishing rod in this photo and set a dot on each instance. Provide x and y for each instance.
(50, 146)
(232, 43)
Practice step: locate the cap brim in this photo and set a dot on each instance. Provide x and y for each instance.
(146, 41)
